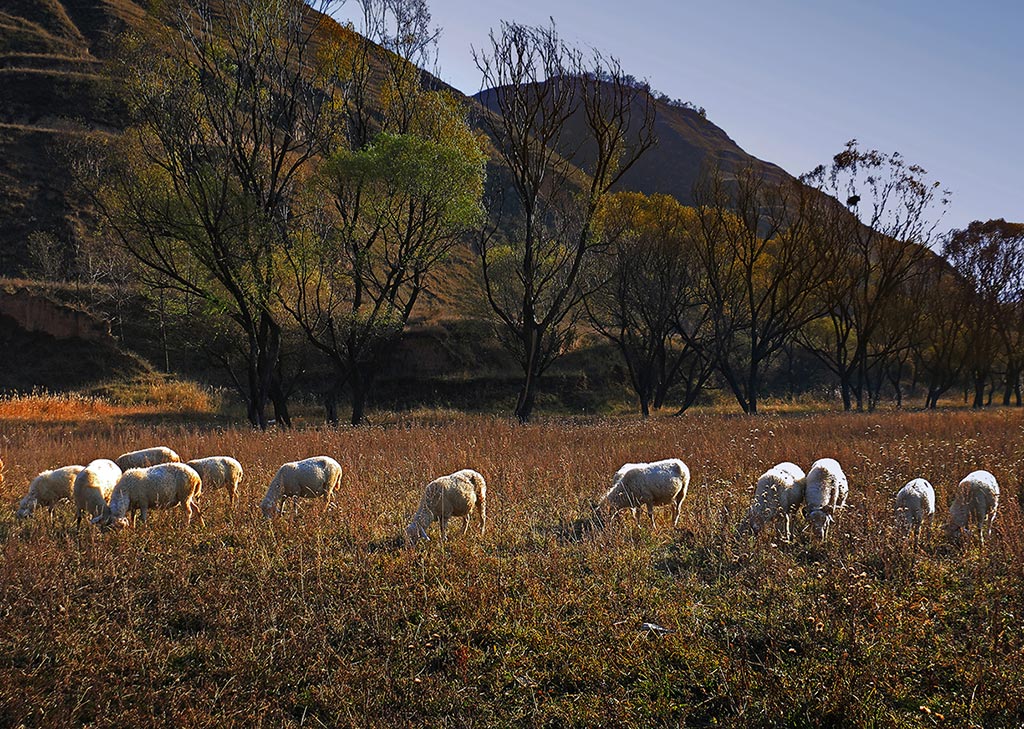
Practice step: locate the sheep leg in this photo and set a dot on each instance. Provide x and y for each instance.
(650, 513)
(444, 526)
(677, 508)
(482, 515)
(465, 524)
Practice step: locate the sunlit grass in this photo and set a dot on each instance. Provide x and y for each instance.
(321, 619)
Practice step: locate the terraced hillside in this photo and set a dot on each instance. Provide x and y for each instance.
(53, 87)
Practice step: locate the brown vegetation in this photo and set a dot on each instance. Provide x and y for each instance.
(323, 619)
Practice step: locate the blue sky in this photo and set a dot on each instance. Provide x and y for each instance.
(792, 80)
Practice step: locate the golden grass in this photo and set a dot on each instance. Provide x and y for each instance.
(320, 619)
(147, 396)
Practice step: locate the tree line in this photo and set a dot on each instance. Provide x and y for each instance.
(285, 178)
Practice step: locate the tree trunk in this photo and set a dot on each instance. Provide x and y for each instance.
(979, 392)
(360, 385)
(532, 338)
(330, 400)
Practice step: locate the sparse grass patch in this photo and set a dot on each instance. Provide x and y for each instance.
(321, 618)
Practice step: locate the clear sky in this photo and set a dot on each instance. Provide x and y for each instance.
(791, 81)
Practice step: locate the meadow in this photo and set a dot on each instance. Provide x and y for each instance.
(322, 618)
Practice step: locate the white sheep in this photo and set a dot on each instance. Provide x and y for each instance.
(317, 476)
(93, 487)
(147, 457)
(158, 487)
(458, 494)
(219, 472)
(47, 489)
(778, 494)
(976, 499)
(825, 492)
(649, 484)
(915, 502)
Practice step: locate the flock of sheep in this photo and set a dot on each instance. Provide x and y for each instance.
(113, 493)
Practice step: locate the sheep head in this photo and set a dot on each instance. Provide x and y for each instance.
(25, 508)
(820, 519)
(414, 533)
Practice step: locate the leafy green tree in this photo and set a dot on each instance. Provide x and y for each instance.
(396, 208)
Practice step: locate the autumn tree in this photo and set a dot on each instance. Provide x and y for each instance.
(880, 230)
(645, 299)
(565, 128)
(762, 261)
(230, 103)
(989, 258)
(942, 343)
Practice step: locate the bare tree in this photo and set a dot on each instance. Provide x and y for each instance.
(881, 237)
(552, 113)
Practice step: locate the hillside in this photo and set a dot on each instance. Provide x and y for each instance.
(54, 84)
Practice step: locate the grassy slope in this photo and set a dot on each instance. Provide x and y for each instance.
(320, 619)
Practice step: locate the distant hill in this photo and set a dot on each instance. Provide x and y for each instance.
(686, 142)
(54, 87)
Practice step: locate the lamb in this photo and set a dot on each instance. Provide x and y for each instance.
(825, 491)
(47, 489)
(779, 491)
(458, 494)
(317, 476)
(158, 487)
(976, 499)
(219, 472)
(915, 502)
(93, 487)
(147, 457)
(649, 484)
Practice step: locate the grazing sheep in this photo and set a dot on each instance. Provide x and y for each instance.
(825, 491)
(779, 491)
(93, 487)
(457, 494)
(219, 472)
(313, 477)
(915, 502)
(977, 500)
(147, 457)
(649, 484)
(158, 487)
(48, 488)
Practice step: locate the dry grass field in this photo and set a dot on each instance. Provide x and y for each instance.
(321, 618)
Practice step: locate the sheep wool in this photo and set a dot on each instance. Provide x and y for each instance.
(976, 499)
(47, 489)
(660, 483)
(219, 472)
(147, 457)
(93, 487)
(458, 494)
(312, 477)
(158, 487)
(777, 495)
(825, 491)
(915, 503)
